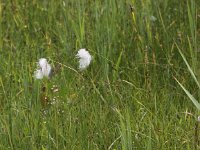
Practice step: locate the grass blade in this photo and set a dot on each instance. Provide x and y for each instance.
(188, 66)
(195, 102)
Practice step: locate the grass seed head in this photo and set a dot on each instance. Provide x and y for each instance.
(84, 58)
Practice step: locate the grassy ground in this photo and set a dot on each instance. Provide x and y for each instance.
(126, 99)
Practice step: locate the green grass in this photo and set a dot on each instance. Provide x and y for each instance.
(128, 98)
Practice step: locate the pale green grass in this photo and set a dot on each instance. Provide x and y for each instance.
(128, 97)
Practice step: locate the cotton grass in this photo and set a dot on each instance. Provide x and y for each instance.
(84, 59)
(43, 70)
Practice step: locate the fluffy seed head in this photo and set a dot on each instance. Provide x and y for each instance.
(84, 58)
(43, 70)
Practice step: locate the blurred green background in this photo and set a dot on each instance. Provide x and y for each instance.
(126, 99)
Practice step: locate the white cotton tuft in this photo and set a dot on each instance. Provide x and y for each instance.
(84, 59)
(44, 69)
(38, 74)
(42, 62)
(153, 18)
(198, 119)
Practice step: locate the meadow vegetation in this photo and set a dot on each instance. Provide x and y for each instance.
(126, 99)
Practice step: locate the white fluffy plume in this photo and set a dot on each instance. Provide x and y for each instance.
(84, 58)
(43, 70)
